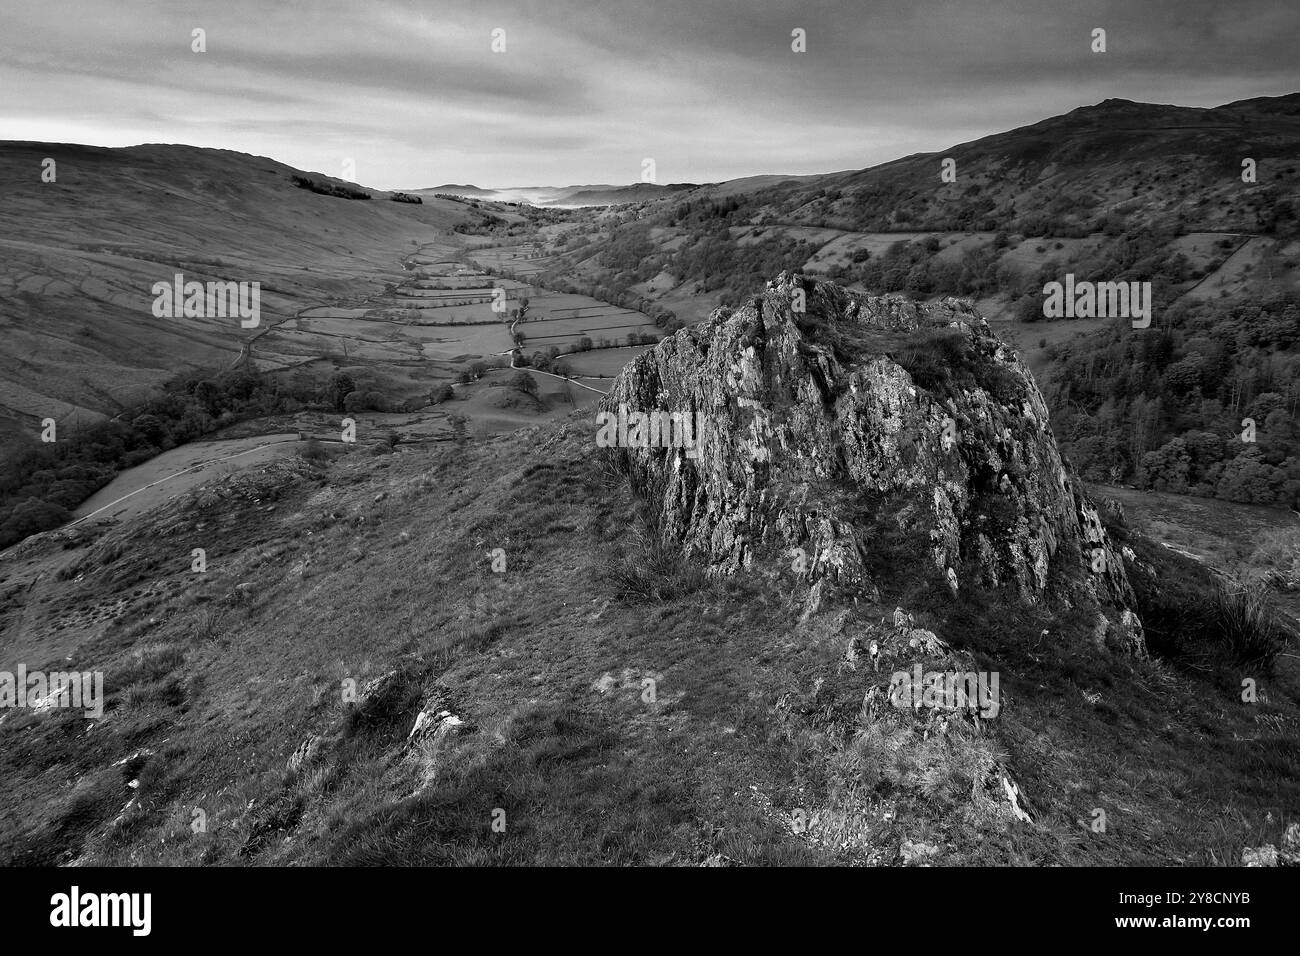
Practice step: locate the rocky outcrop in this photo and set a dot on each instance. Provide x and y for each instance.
(831, 423)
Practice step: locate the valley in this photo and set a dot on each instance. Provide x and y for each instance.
(430, 595)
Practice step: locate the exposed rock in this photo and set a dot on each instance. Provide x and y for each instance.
(304, 753)
(1131, 636)
(1020, 808)
(1126, 636)
(437, 717)
(1265, 855)
(916, 853)
(822, 429)
(435, 723)
(1112, 511)
(1289, 854)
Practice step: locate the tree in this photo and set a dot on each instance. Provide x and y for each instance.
(30, 517)
(524, 383)
(339, 388)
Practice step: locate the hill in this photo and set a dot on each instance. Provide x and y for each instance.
(548, 678)
(82, 253)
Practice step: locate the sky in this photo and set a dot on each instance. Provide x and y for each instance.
(400, 94)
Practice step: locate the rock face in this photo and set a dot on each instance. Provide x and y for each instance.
(830, 422)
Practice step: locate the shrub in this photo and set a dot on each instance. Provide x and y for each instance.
(313, 450)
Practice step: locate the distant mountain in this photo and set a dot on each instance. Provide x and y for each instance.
(569, 196)
(452, 189)
(617, 195)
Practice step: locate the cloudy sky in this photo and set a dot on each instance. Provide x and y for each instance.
(414, 95)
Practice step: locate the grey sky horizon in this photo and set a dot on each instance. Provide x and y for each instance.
(415, 96)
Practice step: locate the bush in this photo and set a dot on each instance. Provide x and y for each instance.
(313, 450)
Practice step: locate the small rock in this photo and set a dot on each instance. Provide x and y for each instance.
(916, 852)
(305, 752)
(439, 724)
(1265, 855)
(1290, 852)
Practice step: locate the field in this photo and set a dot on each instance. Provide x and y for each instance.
(562, 318)
(525, 260)
(407, 340)
(603, 363)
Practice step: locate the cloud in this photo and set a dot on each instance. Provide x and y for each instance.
(414, 93)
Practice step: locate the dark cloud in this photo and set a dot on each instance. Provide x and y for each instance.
(414, 94)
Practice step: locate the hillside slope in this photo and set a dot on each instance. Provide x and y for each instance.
(1115, 192)
(542, 680)
(1148, 164)
(81, 254)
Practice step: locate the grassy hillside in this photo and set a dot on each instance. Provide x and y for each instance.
(610, 704)
(81, 254)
